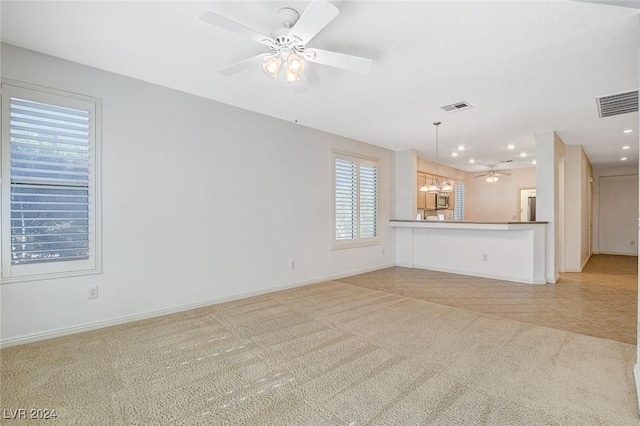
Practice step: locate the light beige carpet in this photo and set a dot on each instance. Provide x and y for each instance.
(326, 354)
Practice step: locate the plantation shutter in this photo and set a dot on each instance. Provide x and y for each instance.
(368, 201)
(345, 199)
(49, 183)
(356, 200)
(458, 210)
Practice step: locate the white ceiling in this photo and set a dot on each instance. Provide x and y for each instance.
(524, 66)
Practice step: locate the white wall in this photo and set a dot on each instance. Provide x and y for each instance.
(406, 188)
(577, 211)
(498, 201)
(550, 154)
(201, 202)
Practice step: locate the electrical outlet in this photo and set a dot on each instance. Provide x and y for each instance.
(292, 265)
(93, 292)
(485, 257)
(633, 242)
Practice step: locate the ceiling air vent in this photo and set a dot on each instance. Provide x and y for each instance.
(621, 103)
(456, 107)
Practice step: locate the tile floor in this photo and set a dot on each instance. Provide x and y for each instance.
(601, 301)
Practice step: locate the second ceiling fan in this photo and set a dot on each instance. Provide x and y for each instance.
(492, 176)
(288, 44)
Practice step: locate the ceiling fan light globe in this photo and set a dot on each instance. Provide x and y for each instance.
(272, 66)
(291, 77)
(295, 64)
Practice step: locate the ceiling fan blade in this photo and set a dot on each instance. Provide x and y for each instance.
(252, 62)
(482, 175)
(302, 86)
(338, 60)
(315, 17)
(229, 25)
(502, 174)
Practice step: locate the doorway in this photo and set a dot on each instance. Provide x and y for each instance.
(527, 204)
(617, 214)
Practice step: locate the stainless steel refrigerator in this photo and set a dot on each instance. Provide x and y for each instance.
(531, 209)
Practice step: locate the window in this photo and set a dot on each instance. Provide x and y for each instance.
(50, 223)
(458, 208)
(355, 201)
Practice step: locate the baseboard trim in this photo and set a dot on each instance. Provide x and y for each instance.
(333, 277)
(636, 376)
(585, 263)
(36, 337)
(524, 280)
(618, 253)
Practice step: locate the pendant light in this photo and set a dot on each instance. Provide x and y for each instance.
(437, 186)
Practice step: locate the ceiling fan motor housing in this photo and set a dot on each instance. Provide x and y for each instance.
(284, 43)
(288, 17)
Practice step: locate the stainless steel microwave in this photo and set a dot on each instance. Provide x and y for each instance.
(442, 201)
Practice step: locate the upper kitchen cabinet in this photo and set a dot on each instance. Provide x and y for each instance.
(422, 178)
(426, 201)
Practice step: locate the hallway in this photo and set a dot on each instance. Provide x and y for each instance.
(601, 301)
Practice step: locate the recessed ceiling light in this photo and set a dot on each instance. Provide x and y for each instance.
(626, 147)
(472, 161)
(461, 148)
(523, 154)
(534, 162)
(454, 154)
(623, 158)
(511, 146)
(627, 131)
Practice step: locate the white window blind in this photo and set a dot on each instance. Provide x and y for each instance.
(458, 210)
(368, 205)
(346, 199)
(52, 212)
(356, 200)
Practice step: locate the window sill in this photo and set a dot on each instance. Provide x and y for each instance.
(49, 276)
(358, 244)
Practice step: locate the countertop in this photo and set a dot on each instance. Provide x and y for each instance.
(468, 225)
(477, 222)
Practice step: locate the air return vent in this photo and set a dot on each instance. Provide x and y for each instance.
(621, 103)
(456, 107)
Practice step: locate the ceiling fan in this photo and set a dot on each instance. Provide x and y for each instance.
(288, 44)
(492, 176)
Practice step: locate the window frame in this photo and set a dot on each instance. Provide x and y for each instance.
(49, 270)
(358, 241)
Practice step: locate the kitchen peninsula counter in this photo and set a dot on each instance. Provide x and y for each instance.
(512, 251)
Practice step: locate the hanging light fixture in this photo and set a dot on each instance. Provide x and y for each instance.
(447, 186)
(294, 66)
(437, 185)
